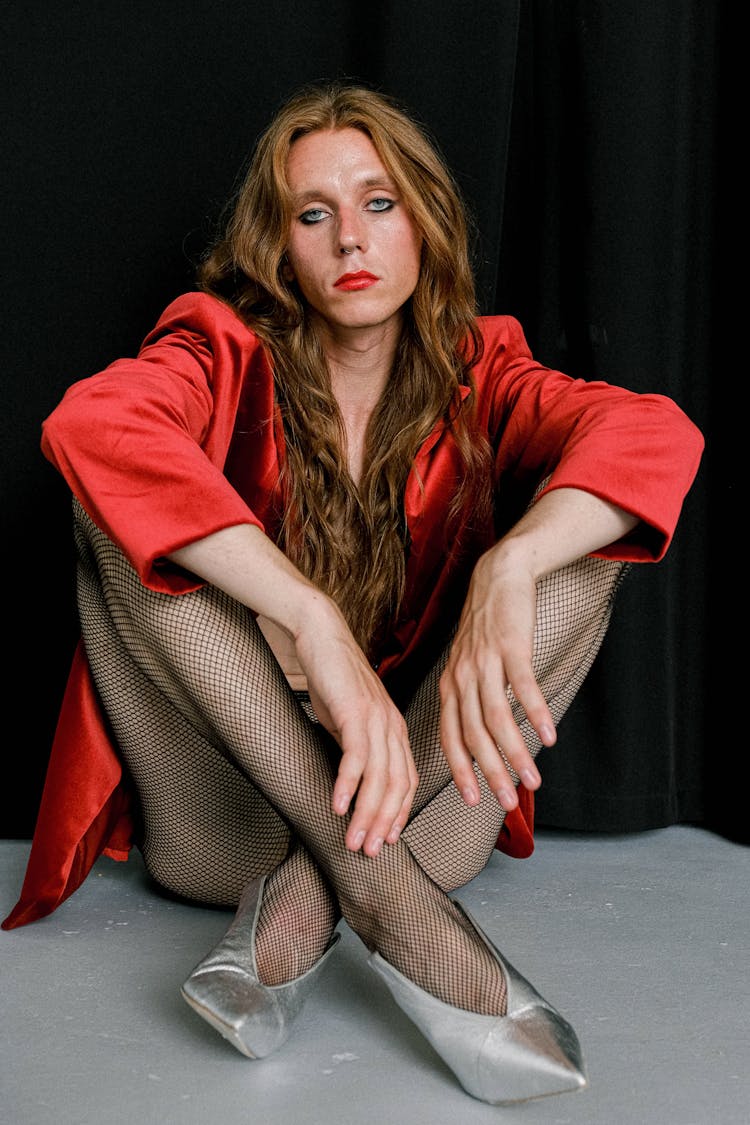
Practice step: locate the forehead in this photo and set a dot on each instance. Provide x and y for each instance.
(333, 156)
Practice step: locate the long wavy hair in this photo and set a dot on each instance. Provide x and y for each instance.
(349, 539)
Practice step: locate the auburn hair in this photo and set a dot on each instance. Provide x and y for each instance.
(349, 539)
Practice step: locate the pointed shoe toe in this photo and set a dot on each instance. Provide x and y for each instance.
(225, 990)
(530, 1052)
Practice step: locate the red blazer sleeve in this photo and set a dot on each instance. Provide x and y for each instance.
(638, 451)
(143, 443)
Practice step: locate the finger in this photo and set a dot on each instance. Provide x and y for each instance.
(478, 746)
(529, 695)
(378, 766)
(496, 768)
(402, 818)
(497, 711)
(505, 736)
(454, 749)
(387, 803)
(349, 777)
(477, 743)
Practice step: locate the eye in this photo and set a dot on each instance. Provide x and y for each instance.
(381, 204)
(314, 215)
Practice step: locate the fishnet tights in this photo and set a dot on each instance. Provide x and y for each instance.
(235, 780)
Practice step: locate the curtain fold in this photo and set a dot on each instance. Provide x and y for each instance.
(619, 150)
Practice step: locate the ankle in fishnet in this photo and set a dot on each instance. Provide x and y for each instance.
(297, 918)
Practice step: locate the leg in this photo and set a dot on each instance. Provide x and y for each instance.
(532, 1051)
(205, 655)
(208, 831)
(574, 608)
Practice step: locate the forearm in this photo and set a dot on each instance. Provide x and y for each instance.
(563, 525)
(244, 563)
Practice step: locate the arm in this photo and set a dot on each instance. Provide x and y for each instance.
(143, 443)
(638, 451)
(493, 647)
(348, 697)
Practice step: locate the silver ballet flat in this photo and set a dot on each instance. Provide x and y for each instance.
(528, 1053)
(225, 990)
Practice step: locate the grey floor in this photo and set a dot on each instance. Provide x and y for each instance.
(641, 940)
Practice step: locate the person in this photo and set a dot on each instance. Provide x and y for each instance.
(345, 553)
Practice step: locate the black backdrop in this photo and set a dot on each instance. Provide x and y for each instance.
(586, 137)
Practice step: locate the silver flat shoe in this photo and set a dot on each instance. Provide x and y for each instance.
(528, 1053)
(225, 990)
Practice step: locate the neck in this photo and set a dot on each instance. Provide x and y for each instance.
(360, 364)
(360, 361)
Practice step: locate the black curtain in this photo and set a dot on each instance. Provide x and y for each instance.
(588, 139)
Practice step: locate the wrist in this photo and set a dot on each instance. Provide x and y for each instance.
(313, 613)
(512, 557)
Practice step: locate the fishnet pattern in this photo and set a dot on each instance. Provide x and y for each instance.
(574, 608)
(233, 777)
(204, 653)
(207, 829)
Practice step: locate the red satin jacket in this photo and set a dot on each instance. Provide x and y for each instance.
(185, 439)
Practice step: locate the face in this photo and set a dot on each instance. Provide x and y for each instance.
(353, 249)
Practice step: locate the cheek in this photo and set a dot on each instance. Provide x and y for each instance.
(411, 237)
(301, 271)
(296, 259)
(297, 264)
(412, 263)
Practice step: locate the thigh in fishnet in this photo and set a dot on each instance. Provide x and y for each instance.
(207, 830)
(203, 652)
(574, 608)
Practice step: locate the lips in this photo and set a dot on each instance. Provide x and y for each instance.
(353, 281)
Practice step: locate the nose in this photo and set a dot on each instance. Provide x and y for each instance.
(351, 232)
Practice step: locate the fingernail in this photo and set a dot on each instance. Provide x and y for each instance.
(376, 846)
(506, 797)
(358, 840)
(341, 804)
(530, 778)
(470, 795)
(547, 732)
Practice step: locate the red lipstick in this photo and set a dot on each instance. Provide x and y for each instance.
(353, 281)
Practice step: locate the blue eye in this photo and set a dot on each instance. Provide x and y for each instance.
(381, 204)
(314, 215)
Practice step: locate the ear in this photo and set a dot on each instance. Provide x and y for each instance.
(286, 270)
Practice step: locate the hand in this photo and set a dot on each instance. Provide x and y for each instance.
(377, 769)
(493, 650)
(349, 699)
